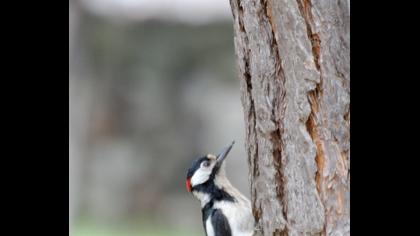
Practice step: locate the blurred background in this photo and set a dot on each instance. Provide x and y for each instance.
(152, 85)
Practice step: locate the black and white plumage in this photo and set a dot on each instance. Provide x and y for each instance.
(225, 211)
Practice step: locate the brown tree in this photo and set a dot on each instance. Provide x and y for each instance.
(293, 59)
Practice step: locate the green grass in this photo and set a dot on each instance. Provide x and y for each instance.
(146, 229)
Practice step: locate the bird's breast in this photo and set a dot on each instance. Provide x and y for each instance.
(209, 227)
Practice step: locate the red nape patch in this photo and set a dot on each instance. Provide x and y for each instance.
(188, 183)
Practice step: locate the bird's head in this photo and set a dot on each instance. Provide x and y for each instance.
(206, 168)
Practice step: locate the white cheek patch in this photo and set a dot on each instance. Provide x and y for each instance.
(200, 176)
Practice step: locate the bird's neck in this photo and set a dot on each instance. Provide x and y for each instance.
(218, 189)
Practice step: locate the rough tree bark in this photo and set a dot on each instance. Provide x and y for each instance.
(294, 67)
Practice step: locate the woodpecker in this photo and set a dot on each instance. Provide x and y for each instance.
(225, 211)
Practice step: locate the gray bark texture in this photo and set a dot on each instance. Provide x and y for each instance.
(293, 60)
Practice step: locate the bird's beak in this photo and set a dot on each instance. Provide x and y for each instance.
(224, 153)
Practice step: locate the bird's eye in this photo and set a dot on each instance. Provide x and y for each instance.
(206, 163)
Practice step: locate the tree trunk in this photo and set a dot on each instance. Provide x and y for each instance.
(294, 67)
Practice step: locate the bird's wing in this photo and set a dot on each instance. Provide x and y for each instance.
(220, 224)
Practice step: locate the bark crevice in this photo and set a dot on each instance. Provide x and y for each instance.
(305, 8)
(251, 116)
(276, 138)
